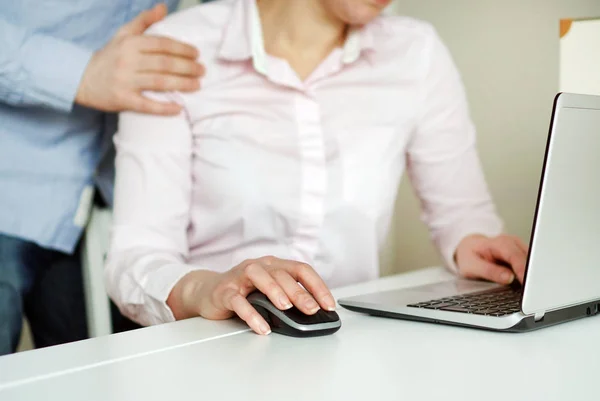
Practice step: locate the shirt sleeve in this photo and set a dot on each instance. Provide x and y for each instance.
(39, 70)
(442, 160)
(149, 247)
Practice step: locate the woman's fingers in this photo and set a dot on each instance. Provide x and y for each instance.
(482, 269)
(299, 296)
(521, 245)
(265, 283)
(492, 258)
(282, 281)
(310, 279)
(237, 303)
(270, 276)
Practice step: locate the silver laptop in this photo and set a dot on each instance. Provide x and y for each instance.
(562, 279)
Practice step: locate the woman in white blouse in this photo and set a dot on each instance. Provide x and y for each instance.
(283, 168)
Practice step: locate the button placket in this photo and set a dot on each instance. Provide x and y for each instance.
(314, 177)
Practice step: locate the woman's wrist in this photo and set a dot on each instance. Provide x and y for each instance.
(185, 296)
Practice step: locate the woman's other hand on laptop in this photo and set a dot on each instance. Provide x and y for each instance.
(219, 296)
(500, 259)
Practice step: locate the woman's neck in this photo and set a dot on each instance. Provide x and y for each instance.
(300, 31)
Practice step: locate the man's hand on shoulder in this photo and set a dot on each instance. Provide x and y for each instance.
(132, 63)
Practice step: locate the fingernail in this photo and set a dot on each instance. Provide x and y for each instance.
(312, 305)
(330, 302)
(264, 328)
(507, 277)
(285, 302)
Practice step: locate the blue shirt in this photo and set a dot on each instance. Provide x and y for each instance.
(50, 148)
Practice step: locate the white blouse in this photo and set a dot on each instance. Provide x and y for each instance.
(262, 163)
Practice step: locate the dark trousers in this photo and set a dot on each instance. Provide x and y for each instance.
(46, 287)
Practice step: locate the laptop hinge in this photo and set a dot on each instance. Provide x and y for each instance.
(539, 316)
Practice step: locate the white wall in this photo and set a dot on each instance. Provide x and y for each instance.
(580, 58)
(508, 53)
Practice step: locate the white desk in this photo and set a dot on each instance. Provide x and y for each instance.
(368, 359)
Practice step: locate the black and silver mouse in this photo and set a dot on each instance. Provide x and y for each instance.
(293, 322)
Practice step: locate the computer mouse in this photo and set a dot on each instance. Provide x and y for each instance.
(293, 322)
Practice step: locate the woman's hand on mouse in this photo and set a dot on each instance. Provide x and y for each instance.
(219, 296)
(499, 259)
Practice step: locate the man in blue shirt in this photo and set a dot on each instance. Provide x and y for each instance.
(63, 66)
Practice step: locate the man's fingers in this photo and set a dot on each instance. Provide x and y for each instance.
(143, 21)
(482, 269)
(163, 45)
(166, 83)
(266, 284)
(235, 302)
(144, 105)
(173, 65)
(304, 301)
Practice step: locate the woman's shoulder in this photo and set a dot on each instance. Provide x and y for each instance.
(198, 25)
(396, 28)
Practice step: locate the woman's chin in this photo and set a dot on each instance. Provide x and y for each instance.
(363, 19)
(363, 15)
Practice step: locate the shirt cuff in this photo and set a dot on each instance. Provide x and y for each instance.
(54, 69)
(159, 286)
(449, 240)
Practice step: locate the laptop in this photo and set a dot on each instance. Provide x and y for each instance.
(562, 278)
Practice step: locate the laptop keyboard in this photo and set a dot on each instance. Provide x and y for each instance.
(495, 302)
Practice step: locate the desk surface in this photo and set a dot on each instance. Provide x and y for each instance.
(369, 358)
